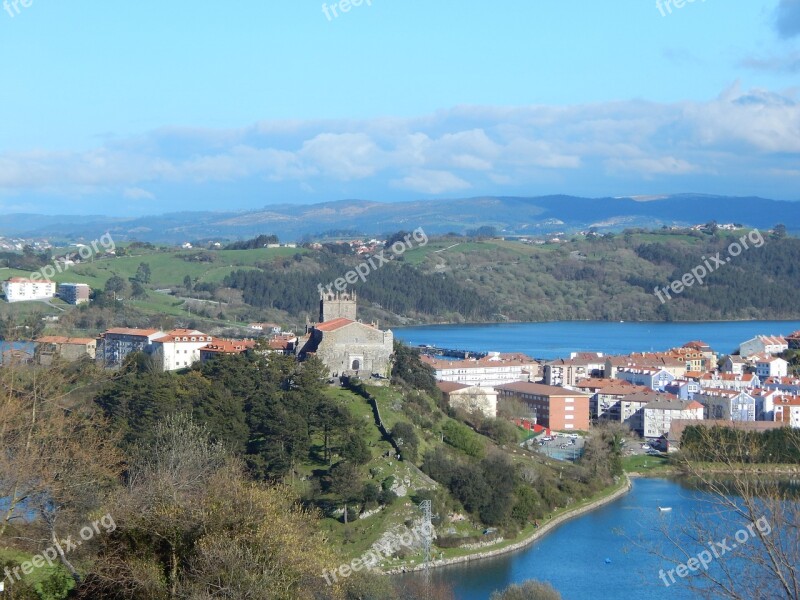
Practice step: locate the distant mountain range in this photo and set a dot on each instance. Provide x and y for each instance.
(509, 215)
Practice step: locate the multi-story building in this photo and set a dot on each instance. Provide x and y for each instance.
(631, 407)
(605, 402)
(115, 345)
(659, 415)
(729, 381)
(728, 405)
(787, 411)
(734, 364)
(763, 344)
(178, 349)
(20, 289)
(490, 371)
(569, 371)
(74, 293)
(653, 360)
(789, 385)
(770, 366)
(652, 377)
(684, 389)
(765, 403)
(555, 407)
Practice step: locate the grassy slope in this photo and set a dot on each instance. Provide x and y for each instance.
(582, 279)
(357, 537)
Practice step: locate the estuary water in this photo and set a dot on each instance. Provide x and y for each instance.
(558, 339)
(607, 553)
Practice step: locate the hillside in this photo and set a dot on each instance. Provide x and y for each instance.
(449, 280)
(508, 215)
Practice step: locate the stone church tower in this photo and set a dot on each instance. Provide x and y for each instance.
(338, 305)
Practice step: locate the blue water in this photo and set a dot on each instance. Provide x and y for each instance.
(603, 554)
(554, 340)
(25, 346)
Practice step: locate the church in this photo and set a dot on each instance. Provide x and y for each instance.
(347, 346)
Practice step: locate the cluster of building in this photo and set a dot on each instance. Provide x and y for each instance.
(653, 393)
(22, 289)
(346, 346)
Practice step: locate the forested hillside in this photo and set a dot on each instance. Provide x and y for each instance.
(594, 277)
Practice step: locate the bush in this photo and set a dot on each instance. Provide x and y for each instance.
(530, 590)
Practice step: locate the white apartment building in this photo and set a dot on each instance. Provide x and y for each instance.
(21, 289)
(728, 405)
(769, 344)
(179, 348)
(770, 366)
(490, 371)
(659, 414)
(787, 410)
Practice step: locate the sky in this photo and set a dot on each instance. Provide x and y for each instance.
(128, 109)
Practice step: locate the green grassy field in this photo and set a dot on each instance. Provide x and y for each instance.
(642, 463)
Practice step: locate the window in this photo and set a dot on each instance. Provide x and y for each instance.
(569, 400)
(569, 417)
(569, 408)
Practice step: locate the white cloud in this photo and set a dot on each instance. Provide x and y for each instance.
(138, 194)
(489, 149)
(426, 181)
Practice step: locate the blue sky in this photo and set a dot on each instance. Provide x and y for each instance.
(147, 107)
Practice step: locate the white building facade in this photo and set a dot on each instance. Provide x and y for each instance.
(20, 289)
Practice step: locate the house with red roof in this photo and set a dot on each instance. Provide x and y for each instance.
(179, 348)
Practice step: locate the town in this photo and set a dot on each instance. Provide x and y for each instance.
(654, 394)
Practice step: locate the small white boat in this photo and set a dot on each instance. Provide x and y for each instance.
(665, 508)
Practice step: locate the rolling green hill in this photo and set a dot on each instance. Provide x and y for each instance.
(457, 279)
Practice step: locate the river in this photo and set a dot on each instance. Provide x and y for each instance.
(606, 553)
(558, 339)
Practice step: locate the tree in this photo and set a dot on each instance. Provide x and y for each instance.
(143, 273)
(58, 459)
(765, 561)
(530, 590)
(409, 370)
(779, 231)
(187, 282)
(190, 525)
(138, 290)
(406, 438)
(116, 285)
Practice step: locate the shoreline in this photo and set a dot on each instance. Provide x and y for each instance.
(525, 542)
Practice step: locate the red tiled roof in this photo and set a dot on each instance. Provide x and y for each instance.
(57, 339)
(177, 335)
(126, 331)
(228, 346)
(523, 387)
(450, 386)
(334, 324)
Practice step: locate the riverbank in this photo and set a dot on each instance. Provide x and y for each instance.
(617, 491)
